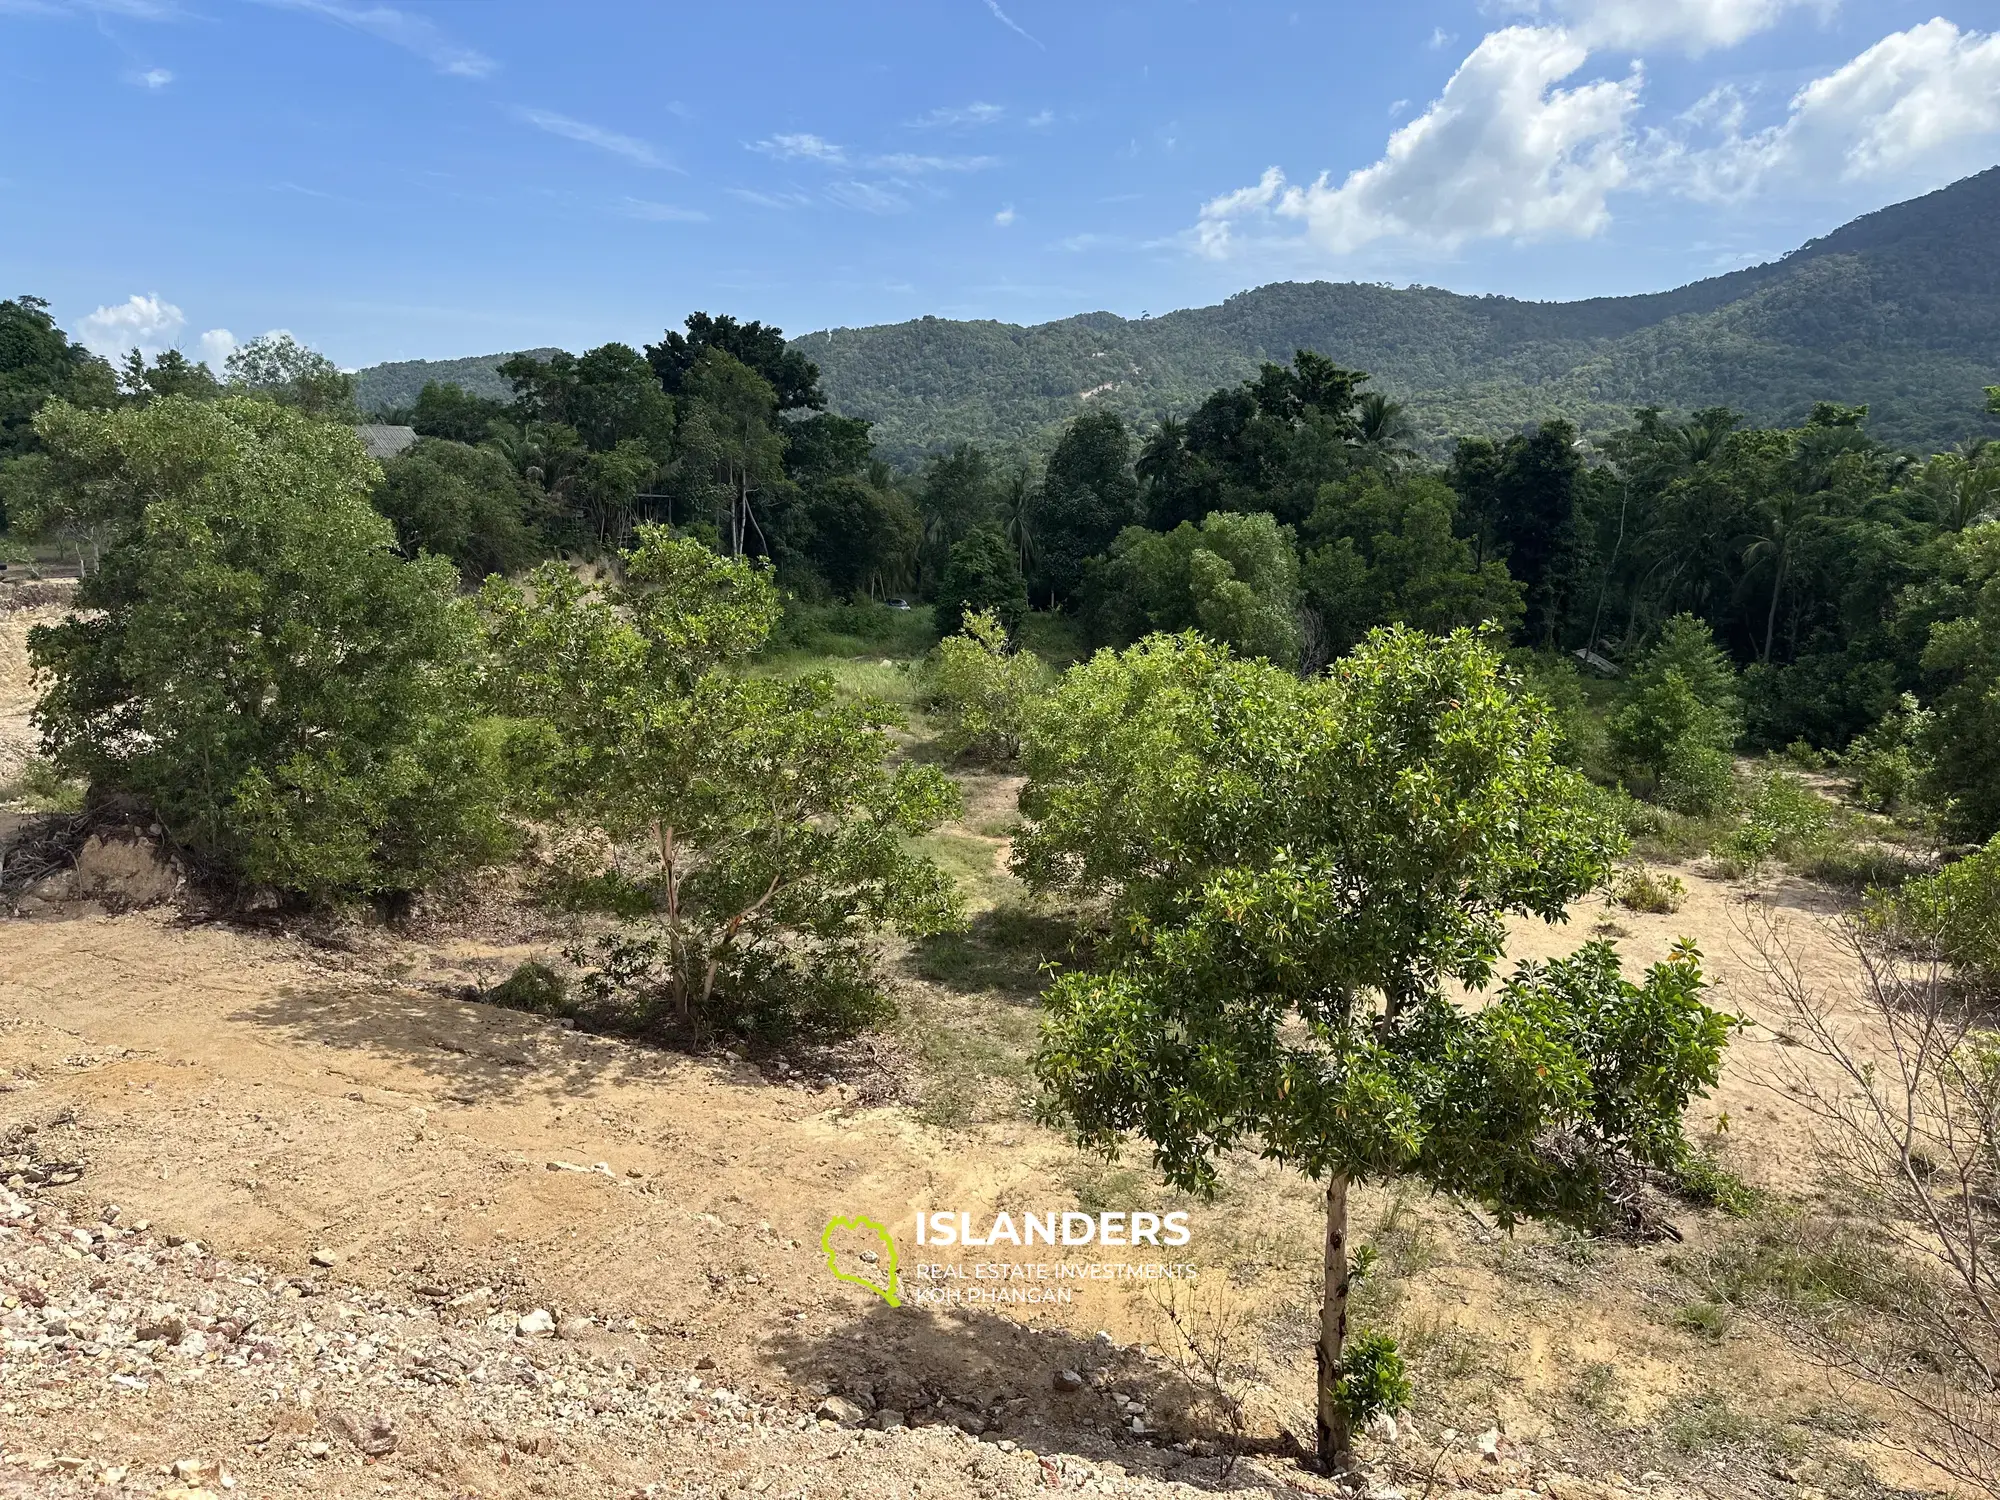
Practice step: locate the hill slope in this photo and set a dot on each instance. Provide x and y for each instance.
(1899, 309)
(380, 387)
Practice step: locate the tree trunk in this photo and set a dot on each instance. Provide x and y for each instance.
(1334, 1438)
(1777, 588)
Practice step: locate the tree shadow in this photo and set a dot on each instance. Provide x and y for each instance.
(1004, 950)
(996, 1379)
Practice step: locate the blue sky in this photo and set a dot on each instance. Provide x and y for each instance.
(425, 179)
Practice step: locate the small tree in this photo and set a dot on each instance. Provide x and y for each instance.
(254, 662)
(1681, 718)
(280, 368)
(983, 574)
(984, 693)
(752, 824)
(1298, 869)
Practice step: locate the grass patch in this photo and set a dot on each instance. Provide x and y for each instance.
(1857, 868)
(1705, 1422)
(39, 789)
(863, 628)
(891, 681)
(972, 862)
(1101, 1185)
(1596, 1390)
(1642, 889)
(1004, 948)
(1057, 639)
(1706, 1183)
(1794, 1263)
(973, 1070)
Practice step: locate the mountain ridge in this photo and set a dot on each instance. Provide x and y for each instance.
(1898, 308)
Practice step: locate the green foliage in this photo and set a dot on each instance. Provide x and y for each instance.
(1955, 912)
(1680, 718)
(1383, 551)
(39, 364)
(984, 574)
(1782, 817)
(463, 503)
(1704, 1181)
(1963, 658)
(1889, 762)
(982, 694)
(279, 368)
(752, 822)
(1235, 578)
(1089, 495)
(253, 661)
(1581, 741)
(1372, 1379)
(1641, 889)
(395, 387)
(533, 987)
(451, 413)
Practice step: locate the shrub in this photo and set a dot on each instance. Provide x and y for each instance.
(255, 663)
(1957, 911)
(1681, 716)
(1642, 890)
(1888, 762)
(982, 693)
(1697, 780)
(535, 988)
(1372, 1379)
(1782, 817)
(750, 827)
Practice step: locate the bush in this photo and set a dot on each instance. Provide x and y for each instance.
(1642, 890)
(1697, 780)
(254, 662)
(1957, 911)
(1782, 817)
(535, 988)
(1888, 762)
(982, 693)
(1373, 1379)
(1681, 717)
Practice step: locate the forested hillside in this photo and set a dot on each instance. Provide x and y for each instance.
(1899, 310)
(391, 386)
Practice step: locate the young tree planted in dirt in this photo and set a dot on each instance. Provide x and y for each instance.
(1298, 870)
(254, 662)
(751, 824)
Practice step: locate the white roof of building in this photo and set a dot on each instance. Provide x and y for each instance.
(384, 441)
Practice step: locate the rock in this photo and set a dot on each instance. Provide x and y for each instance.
(1488, 1444)
(326, 1260)
(574, 1328)
(887, 1419)
(1068, 1380)
(192, 1470)
(1383, 1427)
(479, 1296)
(193, 1344)
(535, 1324)
(123, 869)
(162, 1324)
(706, 1362)
(840, 1410)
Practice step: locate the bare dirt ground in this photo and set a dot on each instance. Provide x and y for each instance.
(288, 1211)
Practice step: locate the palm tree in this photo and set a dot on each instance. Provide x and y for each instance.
(1017, 517)
(1962, 487)
(1161, 467)
(1383, 430)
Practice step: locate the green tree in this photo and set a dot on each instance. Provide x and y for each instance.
(731, 448)
(863, 536)
(794, 379)
(1682, 716)
(171, 373)
(1298, 870)
(448, 411)
(463, 503)
(957, 494)
(753, 824)
(279, 368)
(253, 662)
(1961, 662)
(1235, 578)
(983, 694)
(982, 575)
(1089, 495)
(38, 364)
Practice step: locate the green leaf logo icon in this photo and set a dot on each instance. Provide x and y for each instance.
(887, 1260)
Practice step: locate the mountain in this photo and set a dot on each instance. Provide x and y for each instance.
(1899, 309)
(381, 387)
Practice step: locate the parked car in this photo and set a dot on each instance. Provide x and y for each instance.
(898, 603)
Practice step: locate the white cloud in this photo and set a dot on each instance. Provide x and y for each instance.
(1041, 119)
(1441, 39)
(1918, 108)
(1695, 26)
(1502, 152)
(216, 347)
(591, 135)
(1009, 22)
(145, 323)
(947, 118)
(867, 197)
(769, 200)
(1005, 217)
(801, 146)
(399, 29)
(153, 78)
(909, 165)
(662, 213)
